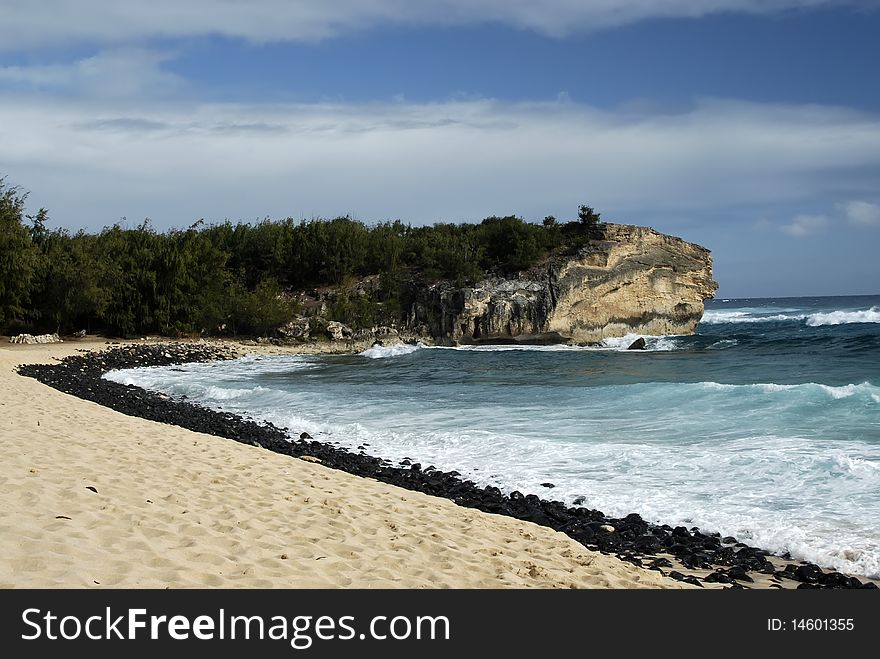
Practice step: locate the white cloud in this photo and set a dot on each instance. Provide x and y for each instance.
(28, 24)
(805, 225)
(91, 162)
(862, 213)
(119, 73)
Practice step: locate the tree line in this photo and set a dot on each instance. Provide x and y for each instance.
(233, 278)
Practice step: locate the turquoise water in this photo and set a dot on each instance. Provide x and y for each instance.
(764, 425)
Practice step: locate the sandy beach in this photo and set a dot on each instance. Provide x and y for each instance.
(94, 498)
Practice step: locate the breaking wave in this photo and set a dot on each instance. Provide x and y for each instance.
(383, 352)
(871, 315)
(819, 319)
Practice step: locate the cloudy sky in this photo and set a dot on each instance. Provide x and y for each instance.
(749, 126)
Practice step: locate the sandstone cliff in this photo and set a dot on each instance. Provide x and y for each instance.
(631, 280)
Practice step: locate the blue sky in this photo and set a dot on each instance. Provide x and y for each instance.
(750, 127)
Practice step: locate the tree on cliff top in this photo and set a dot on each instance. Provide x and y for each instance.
(587, 216)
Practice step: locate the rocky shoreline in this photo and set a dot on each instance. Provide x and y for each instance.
(684, 554)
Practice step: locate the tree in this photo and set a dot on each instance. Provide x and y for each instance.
(550, 221)
(130, 261)
(260, 311)
(509, 244)
(587, 216)
(39, 232)
(18, 256)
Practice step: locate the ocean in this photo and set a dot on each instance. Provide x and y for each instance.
(764, 424)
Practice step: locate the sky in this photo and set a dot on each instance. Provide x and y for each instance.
(751, 127)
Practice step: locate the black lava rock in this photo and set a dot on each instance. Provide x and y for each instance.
(717, 577)
(678, 576)
(739, 573)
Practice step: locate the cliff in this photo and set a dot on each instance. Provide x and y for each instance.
(631, 280)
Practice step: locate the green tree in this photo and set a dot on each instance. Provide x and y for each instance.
(86, 291)
(130, 264)
(18, 257)
(509, 244)
(259, 311)
(587, 216)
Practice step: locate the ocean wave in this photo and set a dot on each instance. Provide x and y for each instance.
(871, 315)
(158, 380)
(383, 352)
(223, 393)
(723, 343)
(721, 317)
(818, 319)
(836, 393)
(847, 390)
(857, 466)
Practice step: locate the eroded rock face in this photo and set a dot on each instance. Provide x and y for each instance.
(298, 328)
(633, 280)
(337, 331)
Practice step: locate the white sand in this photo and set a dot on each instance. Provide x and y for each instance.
(174, 508)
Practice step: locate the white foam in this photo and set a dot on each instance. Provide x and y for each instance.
(771, 387)
(835, 393)
(383, 352)
(818, 319)
(511, 347)
(724, 343)
(652, 343)
(716, 385)
(857, 466)
(222, 393)
(871, 315)
(843, 392)
(663, 344)
(719, 317)
(154, 378)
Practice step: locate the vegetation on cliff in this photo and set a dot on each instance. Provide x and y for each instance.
(232, 278)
